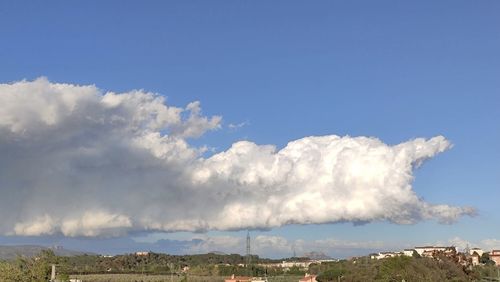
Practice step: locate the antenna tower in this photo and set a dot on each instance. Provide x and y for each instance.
(249, 258)
(467, 250)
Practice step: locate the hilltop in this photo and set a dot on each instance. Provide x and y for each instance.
(11, 252)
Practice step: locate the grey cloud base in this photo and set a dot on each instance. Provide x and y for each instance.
(80, 162)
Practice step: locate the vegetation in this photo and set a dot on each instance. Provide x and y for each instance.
(154, 263)
(213, 267)
(144, 278)
(36, 269)
(255, 270)
(485, 259)
(151, 265)
(167, 278)
(395, 269)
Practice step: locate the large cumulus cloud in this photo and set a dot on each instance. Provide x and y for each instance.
(81, 162)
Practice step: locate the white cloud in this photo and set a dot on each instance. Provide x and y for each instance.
(37, 226)
(490, 244)
(80, 162)
(95, 223)
(235, 126)
(461, 244)
(195, 125)
(458, 242)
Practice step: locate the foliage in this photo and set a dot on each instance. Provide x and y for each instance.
(154, 263)
(211, 267)
(485, 259)
(36, 269)
(487, 272)
(253, 270)
(331, 274)
(10, 272)
(393, 269)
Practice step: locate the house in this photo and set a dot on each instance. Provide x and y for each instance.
(299, 264)
(434, 252)
(141, 254)
(383, 255)
(428, 254)
(475, 258)
(474, 255)
(308, 278)
(495, 256)
(479, 251)
(429, 249)
(320, 261)
(408, 252)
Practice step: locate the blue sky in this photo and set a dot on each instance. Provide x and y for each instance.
(395, 70)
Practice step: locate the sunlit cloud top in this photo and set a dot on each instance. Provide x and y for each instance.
(78, 161)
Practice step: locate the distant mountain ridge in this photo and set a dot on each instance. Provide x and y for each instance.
(13, 251)
(316, 255)
(217, 253)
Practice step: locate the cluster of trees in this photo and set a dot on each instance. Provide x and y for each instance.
(399, 269)
(154, 263)
(257, 271)
(34, 269)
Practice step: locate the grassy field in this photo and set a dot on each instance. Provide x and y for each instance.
(164, 278)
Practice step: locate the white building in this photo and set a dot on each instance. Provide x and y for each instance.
(320, 261)
(479, 251)
(429, 249)
(300, 264)
(383, 255)
(408, 252)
